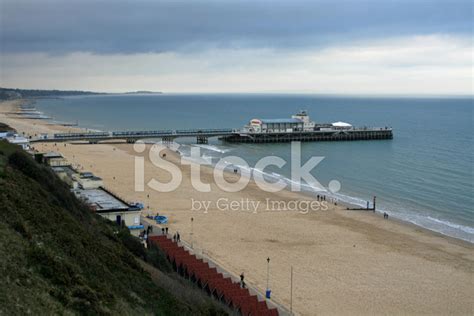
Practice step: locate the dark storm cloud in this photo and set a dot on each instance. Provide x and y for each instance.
(157, 26)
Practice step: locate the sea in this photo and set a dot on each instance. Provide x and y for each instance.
(424, 175)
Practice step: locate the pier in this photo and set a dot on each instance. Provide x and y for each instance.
(297, 128)
(229, 135)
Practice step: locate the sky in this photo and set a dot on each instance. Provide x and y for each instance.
(336, 47)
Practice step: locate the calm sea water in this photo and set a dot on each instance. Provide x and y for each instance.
(424, 175)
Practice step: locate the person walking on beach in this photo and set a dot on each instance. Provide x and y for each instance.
(166, 229)
(242, 283)
(178, 237)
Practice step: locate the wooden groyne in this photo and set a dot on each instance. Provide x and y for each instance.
(373, 208)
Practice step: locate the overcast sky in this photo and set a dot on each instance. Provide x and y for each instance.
(350, 46)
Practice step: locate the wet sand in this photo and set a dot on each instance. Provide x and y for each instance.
(344, 262)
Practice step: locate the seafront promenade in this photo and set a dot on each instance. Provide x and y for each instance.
(199, 256)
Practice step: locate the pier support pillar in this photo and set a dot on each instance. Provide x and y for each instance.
(167, 140)
(202, 139)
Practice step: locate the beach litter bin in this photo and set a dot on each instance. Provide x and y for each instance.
(268, 293)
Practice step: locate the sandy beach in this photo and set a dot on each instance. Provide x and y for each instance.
(344, 262)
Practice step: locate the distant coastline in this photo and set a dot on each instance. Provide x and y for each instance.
(15, 93)
(144, 92)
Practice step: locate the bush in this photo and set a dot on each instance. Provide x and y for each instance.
(157, 258)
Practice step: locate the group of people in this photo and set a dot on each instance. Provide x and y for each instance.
(176, 237)
(322, 198)
(164, 231)
(145, 233)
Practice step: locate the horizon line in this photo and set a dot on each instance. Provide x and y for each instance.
(146, 91)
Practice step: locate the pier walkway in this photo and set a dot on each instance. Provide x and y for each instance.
(230, 135)
(202, 135)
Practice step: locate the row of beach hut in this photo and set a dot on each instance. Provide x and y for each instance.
(210, 280)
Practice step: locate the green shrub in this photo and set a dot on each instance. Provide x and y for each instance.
(158, 259)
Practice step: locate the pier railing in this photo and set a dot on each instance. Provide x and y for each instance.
(133, 135)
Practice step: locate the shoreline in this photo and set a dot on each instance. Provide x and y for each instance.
(331, 247)
(343, 205)
(347, 206)
(436, 225)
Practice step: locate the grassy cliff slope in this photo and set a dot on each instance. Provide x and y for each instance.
(56, 257)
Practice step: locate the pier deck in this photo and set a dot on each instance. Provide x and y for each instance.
(202, 135)
(229, 135)
(342, 135)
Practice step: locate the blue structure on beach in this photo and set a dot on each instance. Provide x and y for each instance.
(160, 219)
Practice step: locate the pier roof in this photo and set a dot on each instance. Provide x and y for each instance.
(341, 124)
(285, 120)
